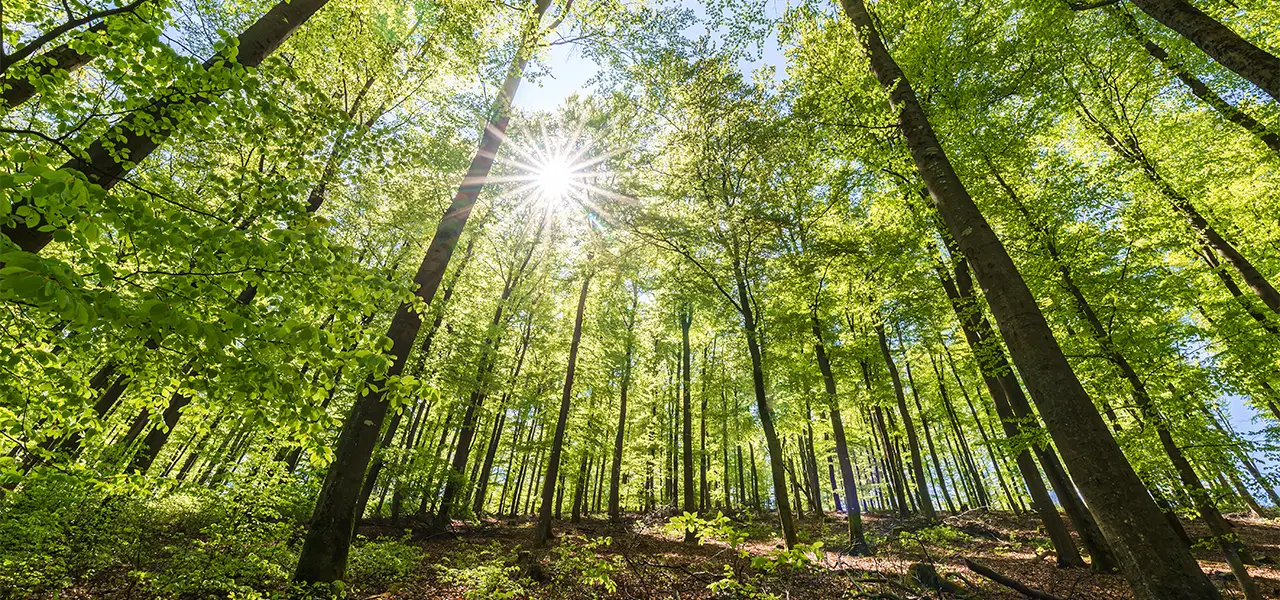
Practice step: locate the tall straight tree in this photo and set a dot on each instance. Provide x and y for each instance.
(1155, 562)
(324, 552)
(686, 439)
(615, 471)
(542, 533)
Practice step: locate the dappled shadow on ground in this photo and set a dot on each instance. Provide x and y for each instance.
(651, 564)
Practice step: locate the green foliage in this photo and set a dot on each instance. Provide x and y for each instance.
(383, 565)
(575, 562)
(484, 572)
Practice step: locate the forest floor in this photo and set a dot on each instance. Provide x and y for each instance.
(643, 560)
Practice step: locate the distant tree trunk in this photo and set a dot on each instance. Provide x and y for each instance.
(1218, 41)
(704, 493)
(913, 443)
(455, 482)
(857, 538)
(1156, 564)
(579, 488)
(755, 479)
(543, 532)
(928, 436)
(323, 557)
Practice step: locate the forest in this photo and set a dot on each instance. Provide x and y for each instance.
(883, 299)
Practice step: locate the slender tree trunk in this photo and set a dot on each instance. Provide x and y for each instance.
(615, 472)
(543, 532)
(1156, 564)
(765, 412)
(1218, 41)
(686, 407)
(928, 437)
(137, 141)
(324, 553)
(913, 443)
(857, 537)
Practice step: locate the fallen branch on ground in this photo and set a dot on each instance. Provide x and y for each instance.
(989, 573)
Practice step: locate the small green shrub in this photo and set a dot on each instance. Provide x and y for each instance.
(382, 564)
(575, 562)
(484, 572)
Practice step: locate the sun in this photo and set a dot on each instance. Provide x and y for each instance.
(555, 178)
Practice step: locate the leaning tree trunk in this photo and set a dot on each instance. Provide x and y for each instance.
(324, 552)
(1197, 86)
(1218, 41)
(62, 59)
(913, 442)
(857, 538)
(139, 134)
(1156, 563)
(543, 532)
(766, 415)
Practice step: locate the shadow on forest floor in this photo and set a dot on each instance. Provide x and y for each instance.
(650, 564)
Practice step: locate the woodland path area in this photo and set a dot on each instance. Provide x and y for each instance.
(652, 564)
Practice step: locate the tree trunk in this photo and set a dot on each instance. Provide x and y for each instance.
(1198, 87)
(137, 140)
(62, 59)
(1223, 45)
(765, 412)
(324, 552)
(1156, 564)
(686, 407)
(615, 472)
(543, 532)
(913, 442)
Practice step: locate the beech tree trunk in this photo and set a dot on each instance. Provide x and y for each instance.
(63, 58)
(913, 442)
(686, 405)
(543, 532)
(1223, 45)
(1198, 87)
(324, 552)
(857, 537)
(615, 472)
(1155, 562)
(138, 137)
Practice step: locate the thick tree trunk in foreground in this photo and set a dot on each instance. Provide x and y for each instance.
(1218, 41)
(324, 552)
(543, 532)
(1155, 562)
